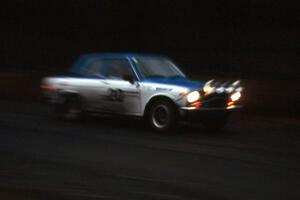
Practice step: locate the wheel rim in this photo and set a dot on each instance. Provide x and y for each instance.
(160, 116)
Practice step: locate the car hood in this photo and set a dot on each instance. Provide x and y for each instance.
(181, 82)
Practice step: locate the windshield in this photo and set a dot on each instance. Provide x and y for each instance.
(157, 68)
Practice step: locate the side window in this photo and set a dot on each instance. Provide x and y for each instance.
(95, 69)
(119, 68)
(108, 68)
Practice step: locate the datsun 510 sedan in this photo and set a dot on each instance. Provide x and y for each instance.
(147, 86)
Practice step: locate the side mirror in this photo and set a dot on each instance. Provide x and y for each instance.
(129, 78)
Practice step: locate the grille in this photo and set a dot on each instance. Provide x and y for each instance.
(215, 100)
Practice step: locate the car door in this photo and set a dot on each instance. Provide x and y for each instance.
(93, 85)
(123, 95)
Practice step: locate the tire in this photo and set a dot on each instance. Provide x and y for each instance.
(213, 124)
(162, 115)
(71, 109)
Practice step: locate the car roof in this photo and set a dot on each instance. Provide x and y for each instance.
(119, 55)
(83, 59)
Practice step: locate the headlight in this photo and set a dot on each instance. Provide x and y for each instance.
(193, 96)
(235, 96)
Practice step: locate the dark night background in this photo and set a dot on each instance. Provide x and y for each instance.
(217, 34)
(252, 40)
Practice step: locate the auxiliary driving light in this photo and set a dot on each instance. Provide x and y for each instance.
(193, 96)
(235, 96)
(229, 89)
(208, 89)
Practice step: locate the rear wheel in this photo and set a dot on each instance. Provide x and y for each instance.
(162, 115)
(71, 108)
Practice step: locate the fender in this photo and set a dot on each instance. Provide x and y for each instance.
(159, 95)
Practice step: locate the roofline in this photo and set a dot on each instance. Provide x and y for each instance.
(121, 55)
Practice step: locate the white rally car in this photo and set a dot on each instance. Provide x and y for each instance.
(147, 86)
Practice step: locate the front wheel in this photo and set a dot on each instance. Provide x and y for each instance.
(162, 115)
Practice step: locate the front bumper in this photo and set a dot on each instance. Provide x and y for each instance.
(228, 108)
(198, 114)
